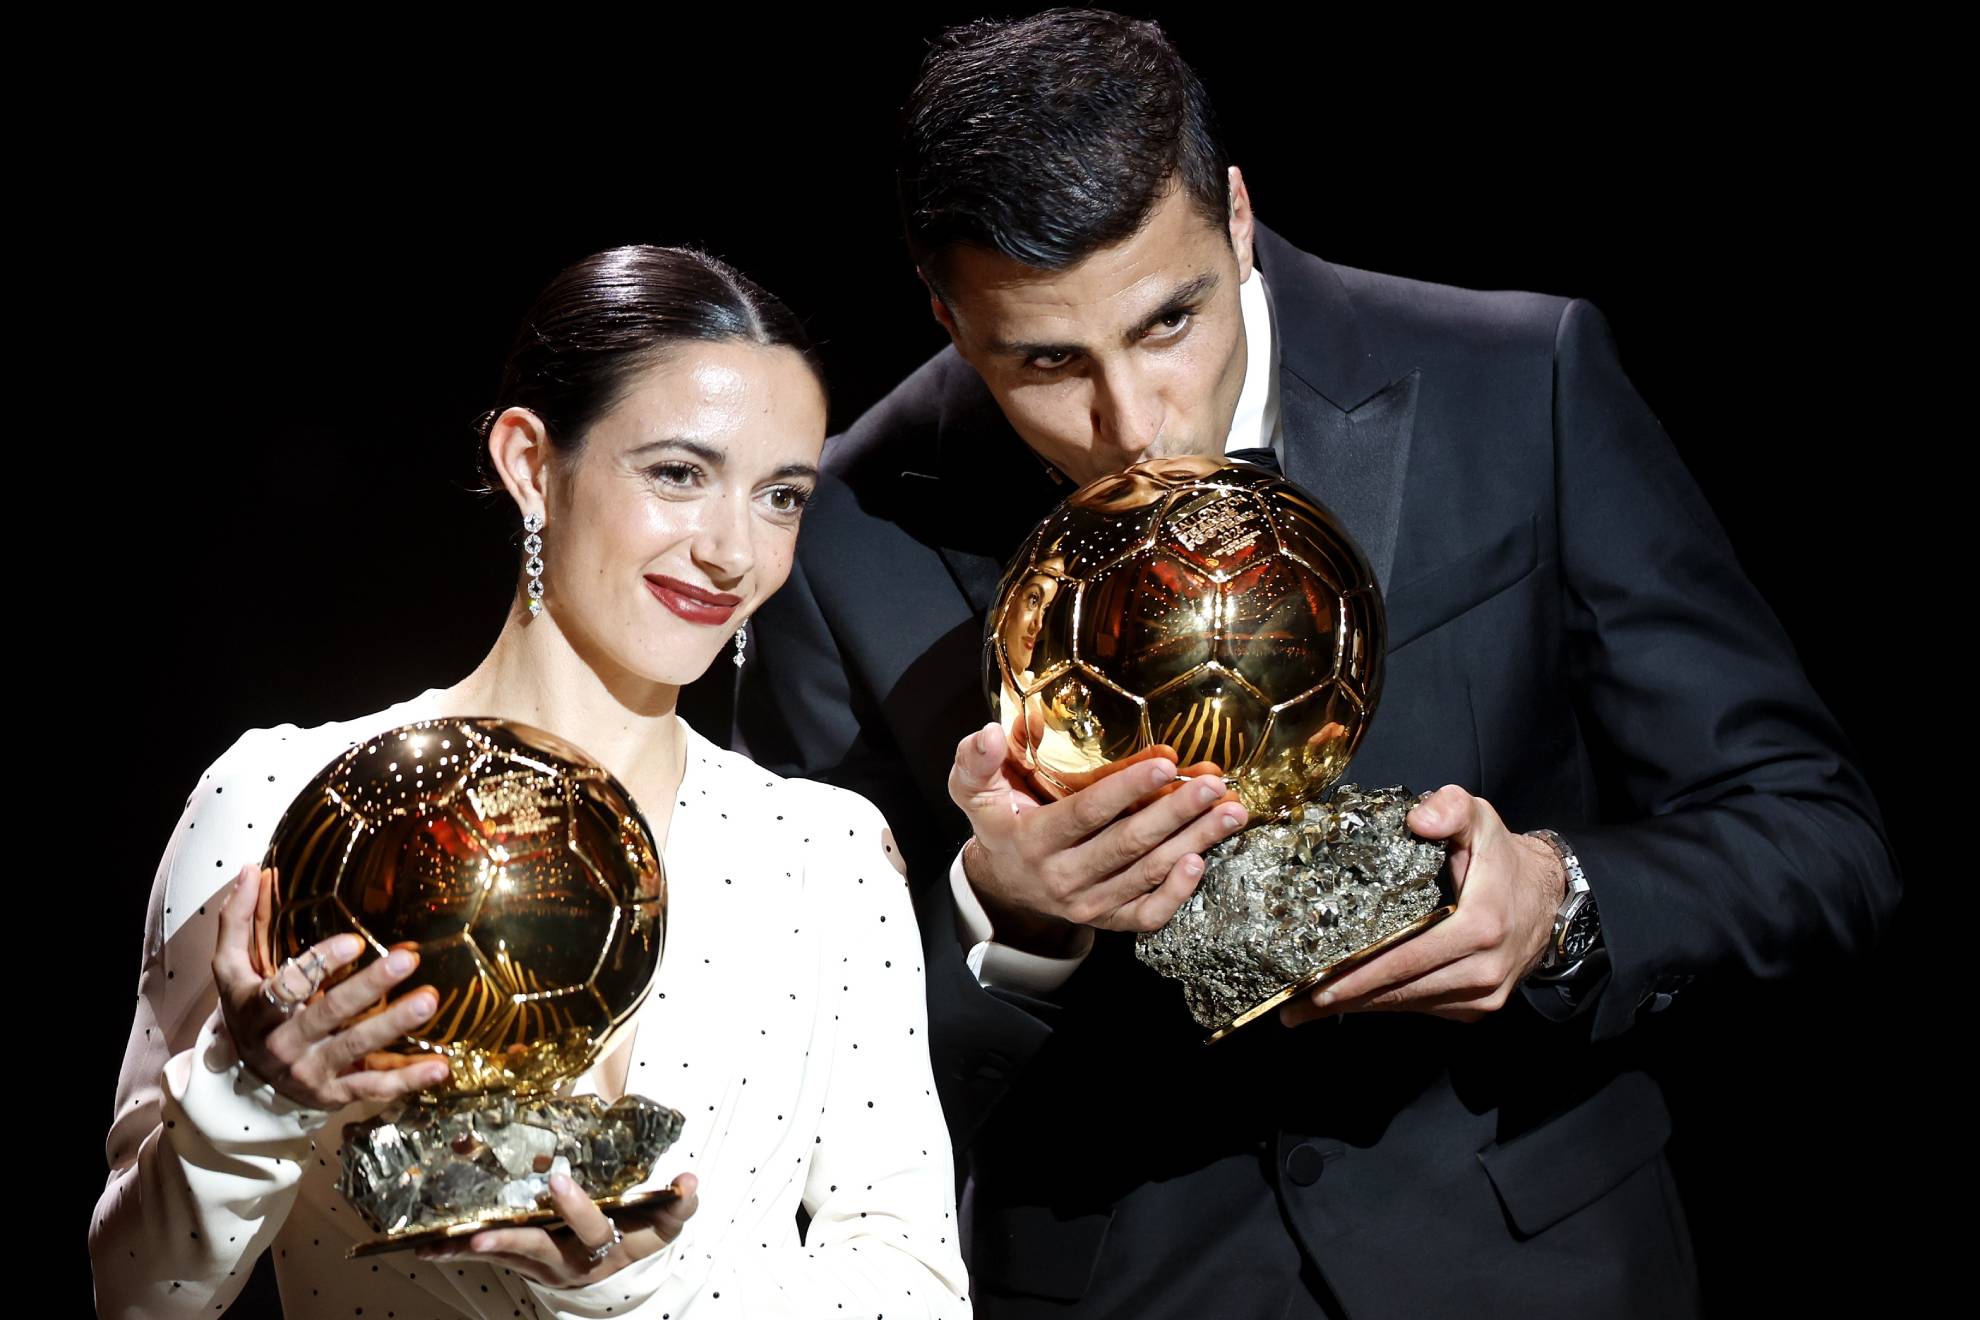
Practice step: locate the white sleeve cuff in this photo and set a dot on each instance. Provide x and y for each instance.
(999, 966)
(211, 1087)
(619, 1292)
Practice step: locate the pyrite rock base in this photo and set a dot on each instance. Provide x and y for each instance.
(431, 1169)
(1288, 903)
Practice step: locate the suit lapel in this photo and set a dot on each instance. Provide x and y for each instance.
(960, 540)
(989, 488)
(977, 575)
(1354, 462)
(1346, 408)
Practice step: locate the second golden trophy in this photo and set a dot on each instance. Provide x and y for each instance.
(1218, 609)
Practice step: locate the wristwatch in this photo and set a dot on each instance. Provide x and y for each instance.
(1577, 925)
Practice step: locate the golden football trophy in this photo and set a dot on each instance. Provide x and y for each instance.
(1218, 609)
(527, 881)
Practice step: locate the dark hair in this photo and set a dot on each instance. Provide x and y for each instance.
(615, 313)
(1048, 138)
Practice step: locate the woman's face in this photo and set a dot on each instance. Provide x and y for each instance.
(1024, 617)
(679, 514)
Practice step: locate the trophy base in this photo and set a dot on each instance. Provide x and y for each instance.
(1288, 904)
(426, 1170)
(1333, 971)
(419, 1237)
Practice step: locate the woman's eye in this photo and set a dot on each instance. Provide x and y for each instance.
(788, 499)
(675, 474)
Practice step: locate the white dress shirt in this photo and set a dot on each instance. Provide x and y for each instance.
(1255, 425)
(786, 1022)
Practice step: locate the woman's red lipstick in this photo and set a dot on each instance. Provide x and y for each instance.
(695, 604)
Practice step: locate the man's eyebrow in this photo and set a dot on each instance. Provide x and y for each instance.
(1178, 298)
(1030, 349)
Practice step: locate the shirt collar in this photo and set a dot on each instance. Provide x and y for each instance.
(1255, 425)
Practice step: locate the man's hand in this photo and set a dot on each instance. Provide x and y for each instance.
(1120, 854)
(1509, 888)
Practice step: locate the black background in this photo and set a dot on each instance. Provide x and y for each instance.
(283, 285)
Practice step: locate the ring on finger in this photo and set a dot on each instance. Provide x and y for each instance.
(311, 971)
(281, 1003)
(604, 1249)
(278, 990)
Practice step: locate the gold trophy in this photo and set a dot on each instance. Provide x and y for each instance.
(1218, 609)
(527, 881)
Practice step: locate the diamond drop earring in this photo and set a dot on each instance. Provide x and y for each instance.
(533, 546)
(742, 640)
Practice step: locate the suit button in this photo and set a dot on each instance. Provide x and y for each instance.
(1303, 1164)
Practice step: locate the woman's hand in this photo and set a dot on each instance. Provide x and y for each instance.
(330, 1051)
(563, 1259)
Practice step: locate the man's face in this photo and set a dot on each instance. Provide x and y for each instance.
(1136, 352)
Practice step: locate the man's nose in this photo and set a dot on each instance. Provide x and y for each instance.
(1127, 411)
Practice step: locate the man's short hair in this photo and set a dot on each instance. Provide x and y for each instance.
(1048, 138)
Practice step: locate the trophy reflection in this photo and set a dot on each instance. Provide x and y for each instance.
(1218, 609)
(527, 881)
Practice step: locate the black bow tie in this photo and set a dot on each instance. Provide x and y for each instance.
(1264, 458)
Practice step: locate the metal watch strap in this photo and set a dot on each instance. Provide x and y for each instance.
(1551, 967)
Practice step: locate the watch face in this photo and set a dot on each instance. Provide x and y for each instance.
(1583, 931)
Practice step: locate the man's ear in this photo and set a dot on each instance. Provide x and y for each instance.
(939, 309)
(519, 452)
(1240, 222)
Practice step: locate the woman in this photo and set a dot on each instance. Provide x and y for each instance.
(660, 424)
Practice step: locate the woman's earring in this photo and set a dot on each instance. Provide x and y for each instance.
(533, 546)
(742, 640)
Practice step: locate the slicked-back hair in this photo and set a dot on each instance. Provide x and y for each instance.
(1048, 138)
(606, 318)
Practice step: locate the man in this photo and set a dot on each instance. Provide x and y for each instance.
(1571, 648)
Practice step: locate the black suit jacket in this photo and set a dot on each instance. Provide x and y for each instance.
(1569, 637)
